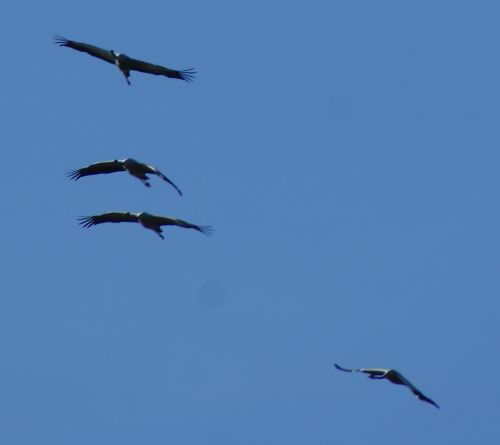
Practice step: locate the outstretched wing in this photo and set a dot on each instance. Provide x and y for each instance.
(113, 217)
(157, 172)
(167, 221)
(417, 392)
(158, 70)
(371, 371)
(86, 48)
(97, 169)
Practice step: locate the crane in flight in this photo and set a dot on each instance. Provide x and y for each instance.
(125, 63)
(135, 168)
(393, 376)
(147, 220)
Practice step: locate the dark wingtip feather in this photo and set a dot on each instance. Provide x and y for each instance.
(206, 230)
(86, 221)
(187, 75)
(74, 174)
(60, 40)
(162, 176)
(426, 399)
(175, 187)
(341, 369)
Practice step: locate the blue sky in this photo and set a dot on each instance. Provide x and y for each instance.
(347, 154)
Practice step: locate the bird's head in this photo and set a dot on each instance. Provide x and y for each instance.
(114, 54)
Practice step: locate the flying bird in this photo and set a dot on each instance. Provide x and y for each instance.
(148, 221)
(125, 63)
(393, 376)
(135, 168)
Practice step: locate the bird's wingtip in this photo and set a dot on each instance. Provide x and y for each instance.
(207, 230)
(60, 40)
(74, 174)
(188, 75)
(85, 221)
(435, 404)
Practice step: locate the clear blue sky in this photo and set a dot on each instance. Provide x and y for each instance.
(347, 154)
